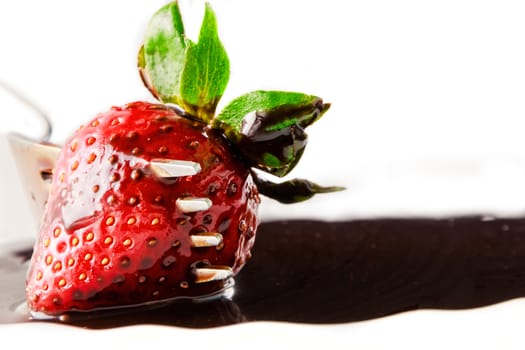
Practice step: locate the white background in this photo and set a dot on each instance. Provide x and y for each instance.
(427, 96)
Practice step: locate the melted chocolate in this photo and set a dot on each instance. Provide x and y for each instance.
(317, 272)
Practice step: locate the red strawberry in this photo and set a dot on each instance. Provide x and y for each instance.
(112, 233)
(116, 232)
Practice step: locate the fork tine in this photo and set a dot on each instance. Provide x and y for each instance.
(206, 239)
(212, 273)
(168, 168)
(190, 205)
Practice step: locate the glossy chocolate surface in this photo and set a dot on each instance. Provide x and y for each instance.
(337, 272)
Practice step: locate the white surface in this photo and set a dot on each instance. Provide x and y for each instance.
(426, 118)
(482, 329)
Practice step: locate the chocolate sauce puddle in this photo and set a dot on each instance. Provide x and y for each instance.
(339, 272)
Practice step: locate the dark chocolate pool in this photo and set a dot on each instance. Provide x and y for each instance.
(337, 272)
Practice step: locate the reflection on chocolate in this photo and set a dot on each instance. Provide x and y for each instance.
(335, 272)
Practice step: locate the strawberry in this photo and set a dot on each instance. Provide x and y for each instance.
(112, 231)
(117, 231)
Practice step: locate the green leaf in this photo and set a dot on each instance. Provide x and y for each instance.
(162, 57)
(287, 108)
(179, 71)
(268, 127)
(292, 191)
(206, 71)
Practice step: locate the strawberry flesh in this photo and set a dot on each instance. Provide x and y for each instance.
(112, 234)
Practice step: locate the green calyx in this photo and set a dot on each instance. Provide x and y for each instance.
(266, 127)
